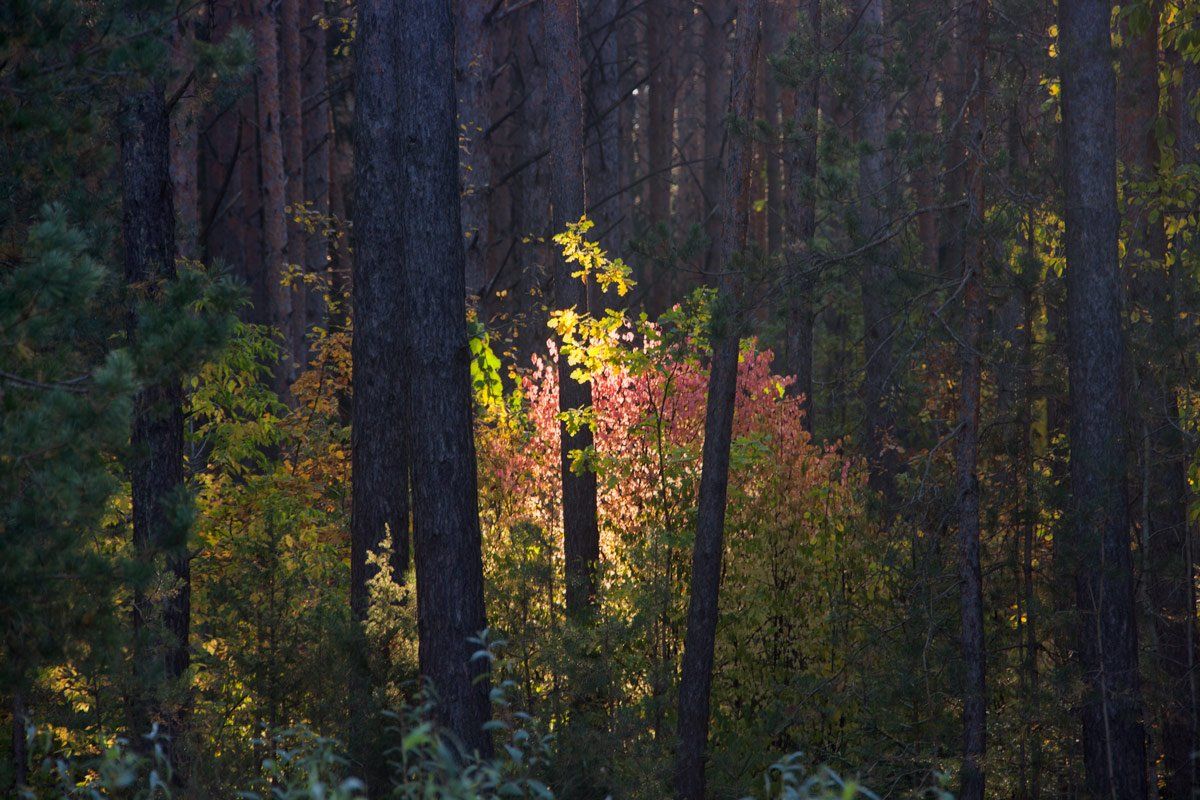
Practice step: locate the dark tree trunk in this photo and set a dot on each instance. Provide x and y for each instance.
(20, 745)
(716, 97)
(318, 136)
(185, 140)
(222, 234)
(160, 621)
(774, 36)
(445, 496)
(879, 381)
(292, 135)
(581, 536)
(974, 717)
(695, 685)
(1165, 455)
(473, 68)
(252, 242)
(1098, 550)
(272, 183)
(379, 447)
(603, 177)
(800, 157)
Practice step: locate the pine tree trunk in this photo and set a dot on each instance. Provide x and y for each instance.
(974, 650)
(292, 134)
(660, 139)
(1098, 549)
(273, 184)
(695, 685)
(318, 138)
(185, 141)
(473, 68)
(581, 536)
(20, 744)
(603, 153)
(438, 383)
(379, 445)
(222, 234)
(716, 103)
(161, 619)
(879, 383)
(800, 160)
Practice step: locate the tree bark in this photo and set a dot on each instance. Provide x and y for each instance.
(292, 135)
(185, 140)
(974, 716)
(716, 97)
(473, 67)
(879, 383)
(272, 184)
(318, 137)
(155, 464)
(1113, 738)
(602, 176)
(581, 535)
(379, 445)
(445, 496)
(695, 685)
(800, 161)
(20, 744)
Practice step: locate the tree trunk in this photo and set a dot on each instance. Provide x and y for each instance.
(272, 184)
(161, 619)
(800, 158)
(473, 68)
(974, 717)
(716, 98)
(879, 383)
(318, 136)
(603, 177)
(1154, 351)
(1113, 738)
(695, 685)
(185, 140)
(775, 36)
(581, 536)
(292, 135)
(438, 383)
(379, 446)
(661, 27)
(20, 744)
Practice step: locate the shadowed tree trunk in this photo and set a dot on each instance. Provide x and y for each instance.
(185, 139)
(603, 177)
(20, 745)
(473, 67)
(1098, 548)
(581, 536)
(272, 183)
(292, 134)
(695, 683)
(879, 381)
(800, 160)
(379, 447)
(318, 135)
(974, 716)
(446, 528)
(155, 464)
(716, 98)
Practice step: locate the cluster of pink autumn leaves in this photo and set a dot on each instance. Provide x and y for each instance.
(649, 430)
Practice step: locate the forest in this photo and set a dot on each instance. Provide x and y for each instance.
(588, 399)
